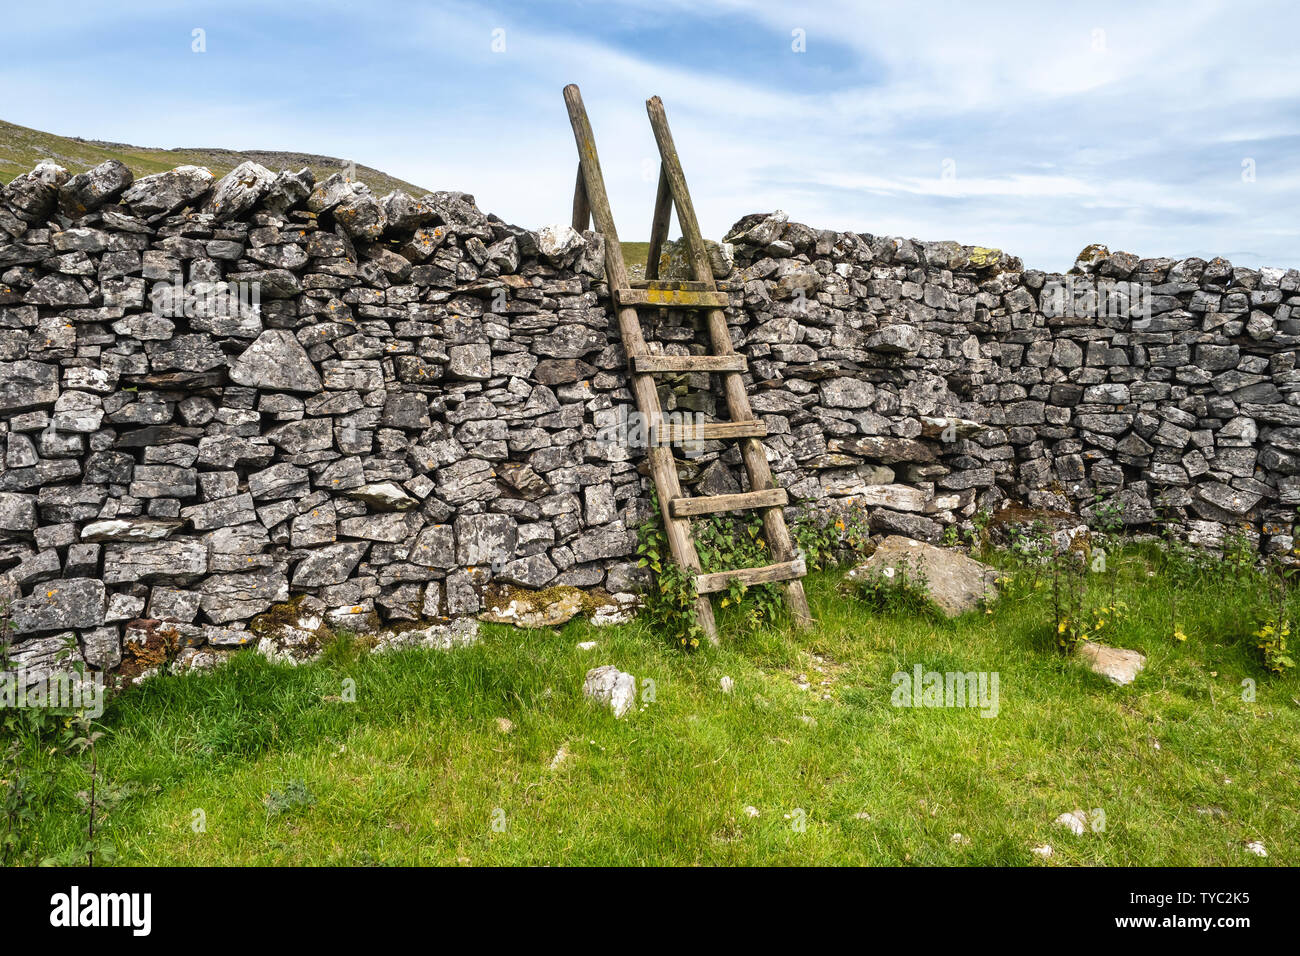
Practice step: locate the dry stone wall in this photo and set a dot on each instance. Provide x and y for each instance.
(220, 395)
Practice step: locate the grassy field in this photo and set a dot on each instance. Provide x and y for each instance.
(420, 770)
(634, 256)
(22, 148)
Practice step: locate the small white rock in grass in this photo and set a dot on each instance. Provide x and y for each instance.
(561, 755)
(609, 685)
(1076, 822)
(727, 685)
(1257, 848)
(1043, 851)
(751, 811)
(960, 839)
(587, 645)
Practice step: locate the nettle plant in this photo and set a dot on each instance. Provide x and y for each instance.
(66, 738)
(723, 542)
(670, 597)
(1068, 579)
(1070, 567)
(1107, 516)
(1271, 638)
(726, 542)
(1106, 538)
(1265, 587)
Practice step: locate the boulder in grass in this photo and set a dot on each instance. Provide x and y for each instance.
(954, 582)
(1116, 664)
(1076, 822)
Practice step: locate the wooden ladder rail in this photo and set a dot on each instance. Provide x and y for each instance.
(751, 449)
(659, 223)
(663, 469)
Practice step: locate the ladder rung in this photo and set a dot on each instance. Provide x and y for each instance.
(689, 363)
(673, 432)
(672, 298)
(683, 285)
(719, 581)
(709, 504)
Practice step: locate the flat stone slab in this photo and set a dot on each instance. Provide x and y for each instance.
(955, 583)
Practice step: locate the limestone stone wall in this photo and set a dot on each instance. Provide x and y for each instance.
(220, 395)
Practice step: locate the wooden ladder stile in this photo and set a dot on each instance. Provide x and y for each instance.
(591, 201)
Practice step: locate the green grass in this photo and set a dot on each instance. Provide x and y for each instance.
(634, 255)
(22, 148)
(413, 771)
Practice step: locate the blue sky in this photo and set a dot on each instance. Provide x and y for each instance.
(1034, 127)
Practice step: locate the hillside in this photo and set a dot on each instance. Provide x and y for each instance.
(22, 148)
